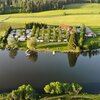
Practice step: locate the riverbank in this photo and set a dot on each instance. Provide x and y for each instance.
(77, 97)
(52, 47)
(49, 47)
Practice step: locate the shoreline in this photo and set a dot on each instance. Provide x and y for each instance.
(63, 51)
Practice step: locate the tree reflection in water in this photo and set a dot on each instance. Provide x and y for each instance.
(12, 53)
(91, 53)
(72, 58)
(33, 57)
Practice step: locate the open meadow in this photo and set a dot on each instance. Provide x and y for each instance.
(73, 14)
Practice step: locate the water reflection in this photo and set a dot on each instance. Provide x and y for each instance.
(72, 58)
(91, 53)
(49, 68)
(33, 57)
(12, 53)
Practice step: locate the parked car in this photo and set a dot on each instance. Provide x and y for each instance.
(29, 35)
(59, 40)
(16, 36)
(65, 40)
(22, 38)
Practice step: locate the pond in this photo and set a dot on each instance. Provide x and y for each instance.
(17, 69)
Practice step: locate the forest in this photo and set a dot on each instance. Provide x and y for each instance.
(28, 6)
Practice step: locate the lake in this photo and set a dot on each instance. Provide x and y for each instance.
(42, 68)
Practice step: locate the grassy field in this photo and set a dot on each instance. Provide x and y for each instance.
(89, 20)
(91, 8)
(0, 18)
(60, 47)
(74, 14)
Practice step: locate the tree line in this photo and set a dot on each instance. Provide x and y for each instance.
(27, 6)
(27, 92)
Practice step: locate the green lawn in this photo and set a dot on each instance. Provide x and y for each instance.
(96, 29)
(0, 18)
(55, 46)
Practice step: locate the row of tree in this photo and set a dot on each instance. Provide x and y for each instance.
(76, 40)
(26, 92)
(14, 6)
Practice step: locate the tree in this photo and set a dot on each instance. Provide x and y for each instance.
(31, 43)
(72, 42)
(12, 43)
(83, 29)
(37, 32)
(56, 88)
(53, 88)
(82, 35)
(81, 39)
(72, 89)
(24, 92)
(20, 33)
(67, 35)
(49, 33)
(60, 37)
(43, 32)
(54, 34)
(33, 30)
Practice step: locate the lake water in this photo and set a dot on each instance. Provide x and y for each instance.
(16, 69)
